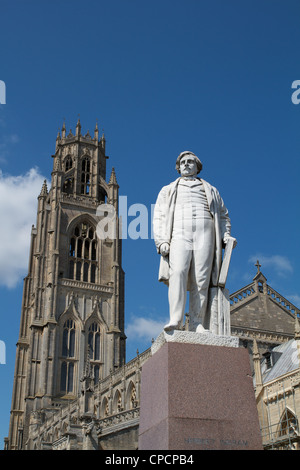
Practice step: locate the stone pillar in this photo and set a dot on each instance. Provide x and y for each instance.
(198, 396)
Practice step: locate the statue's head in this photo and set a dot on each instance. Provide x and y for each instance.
(188, 164)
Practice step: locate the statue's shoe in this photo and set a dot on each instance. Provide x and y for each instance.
(200, 329)
(171, 326)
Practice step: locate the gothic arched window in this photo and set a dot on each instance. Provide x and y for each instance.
(68, 163)
(83, 253)
(94, 343)
(85, 176)
(68, 344)
(68, 355)
(288, 424)
(67, 377)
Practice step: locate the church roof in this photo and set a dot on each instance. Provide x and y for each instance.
(259, 306)
(284, 359)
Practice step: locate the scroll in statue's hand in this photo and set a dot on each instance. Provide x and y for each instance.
(227, 238)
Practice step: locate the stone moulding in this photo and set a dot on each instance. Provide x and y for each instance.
(86, 285)
(191, 337)
(118, 422)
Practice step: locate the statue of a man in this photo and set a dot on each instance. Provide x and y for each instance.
(191, 226)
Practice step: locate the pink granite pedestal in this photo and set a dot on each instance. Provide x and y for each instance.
(196, 396)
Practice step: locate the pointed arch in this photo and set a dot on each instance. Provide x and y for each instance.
(71, 312)
(96, 315)
(69, 329)
(117, 402)
(131, 396)
(288, 424)
(68, 162)
(83, 249)
(95, 328)
(79, 218)
(104, 408)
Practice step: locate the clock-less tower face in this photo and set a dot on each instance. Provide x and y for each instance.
(73, 301)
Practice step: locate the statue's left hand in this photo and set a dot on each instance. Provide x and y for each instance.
(164, 249)
(227, 237)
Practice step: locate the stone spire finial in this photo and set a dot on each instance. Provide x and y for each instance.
(102, 140)
(113, 178)
(78, 126)
(44, 190)
(63, 129)
(96, 131)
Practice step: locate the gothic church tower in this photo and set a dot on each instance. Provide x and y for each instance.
(73, 297)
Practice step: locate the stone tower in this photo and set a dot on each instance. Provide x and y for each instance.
(73, 297)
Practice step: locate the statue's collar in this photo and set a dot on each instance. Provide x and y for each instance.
(189, 178)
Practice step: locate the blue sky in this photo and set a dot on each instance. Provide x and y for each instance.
(211, 76)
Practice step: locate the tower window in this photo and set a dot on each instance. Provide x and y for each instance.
(86, 272)
(78, 271)
(79, 248)
(72, 247)
(71, 270)
(68, 163)
(68, 345)
(67, 377)
(94, 349)
(93, 273)
(85, 176)
(68, 353)
(83, 253)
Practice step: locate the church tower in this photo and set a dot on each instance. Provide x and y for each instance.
(73, 296)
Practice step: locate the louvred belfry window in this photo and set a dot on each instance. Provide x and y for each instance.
(85, 176)
(83, 253)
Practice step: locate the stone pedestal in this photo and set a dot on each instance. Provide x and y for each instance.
(198, 396)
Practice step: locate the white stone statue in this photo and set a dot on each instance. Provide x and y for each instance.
(191, 226)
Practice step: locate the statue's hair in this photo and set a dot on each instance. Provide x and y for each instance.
(198, 162)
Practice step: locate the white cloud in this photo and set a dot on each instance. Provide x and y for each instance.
(144, 328)
(18, 208)
(281, 264)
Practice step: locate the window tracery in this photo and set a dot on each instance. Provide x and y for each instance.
(83, 254)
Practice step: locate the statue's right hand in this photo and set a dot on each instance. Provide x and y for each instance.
(164, 249)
